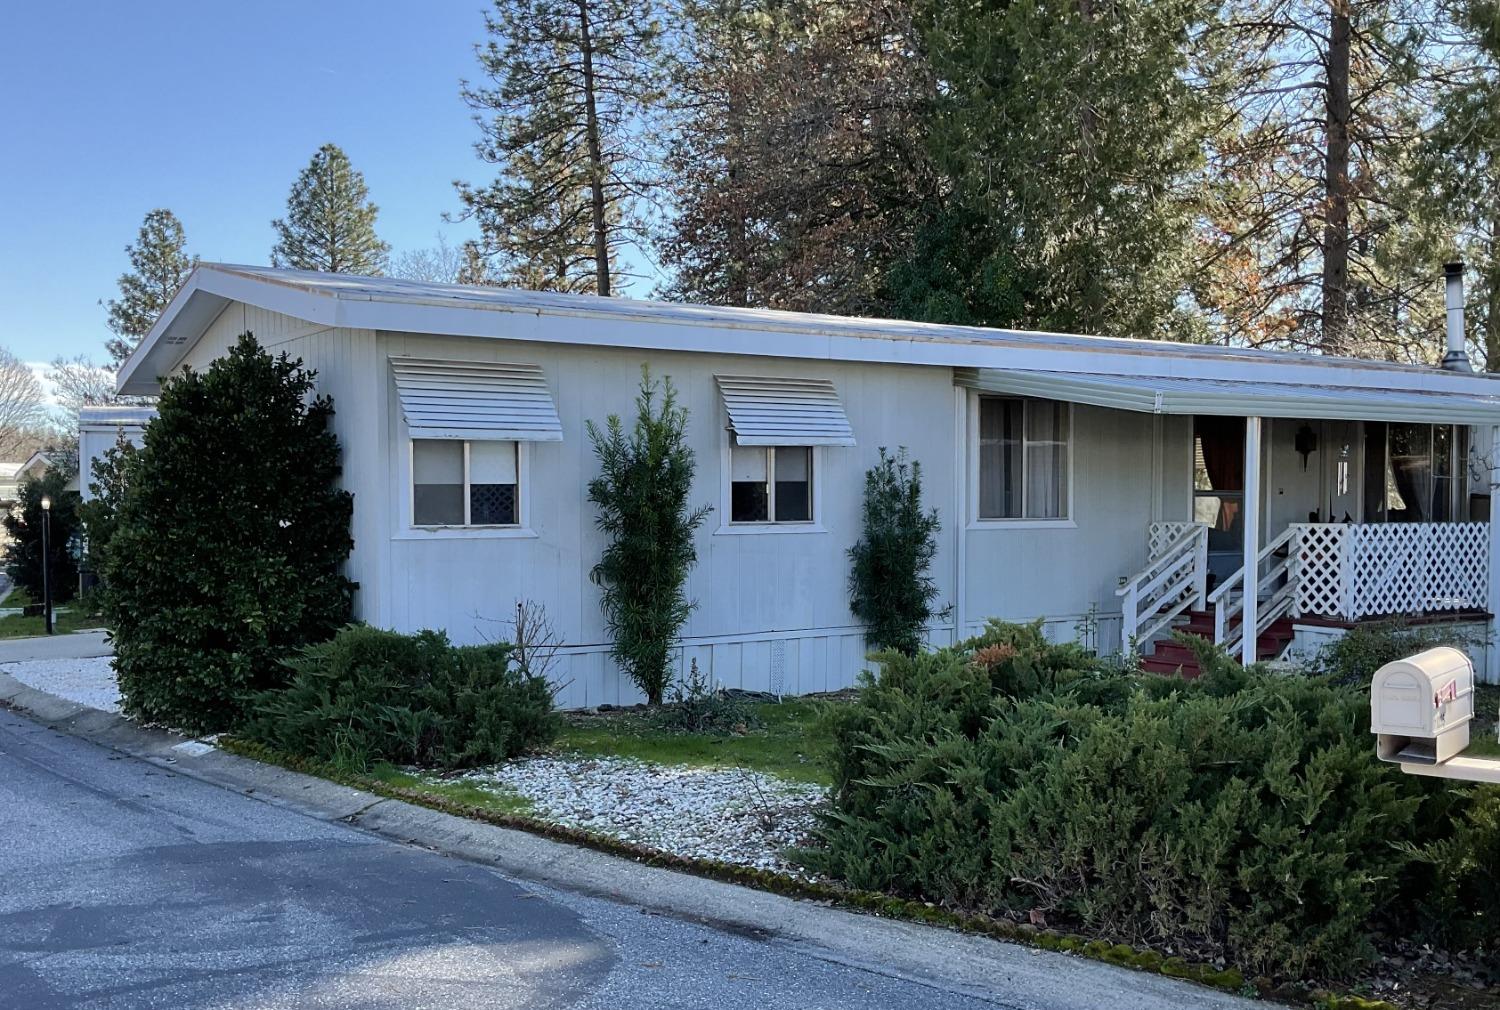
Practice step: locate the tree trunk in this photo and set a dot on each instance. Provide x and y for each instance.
(1492, 313)
(1336, 184)
(596, 158)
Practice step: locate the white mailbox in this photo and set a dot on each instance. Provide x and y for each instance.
(1420, 707)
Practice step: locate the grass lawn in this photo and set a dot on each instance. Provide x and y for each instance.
(786, 743)
(457, 790)
(77, 616)
(1482, 741)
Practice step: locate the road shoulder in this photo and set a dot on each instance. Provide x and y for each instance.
(944, 959)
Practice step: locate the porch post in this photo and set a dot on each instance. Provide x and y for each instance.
(1250, 583)
(1492, 648)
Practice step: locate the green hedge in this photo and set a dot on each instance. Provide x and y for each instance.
(1241, 816)
(370, 695)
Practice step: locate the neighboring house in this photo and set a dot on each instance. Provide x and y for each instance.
(10, 483)
(1109, 487)
(99, 430)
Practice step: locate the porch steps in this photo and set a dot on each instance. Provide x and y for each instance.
(1169, 657)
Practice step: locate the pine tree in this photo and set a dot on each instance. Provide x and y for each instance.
(570, 87)
(1457, 172)
(158, 266)
(1070, 136)
(330, 221)
(1308, 242)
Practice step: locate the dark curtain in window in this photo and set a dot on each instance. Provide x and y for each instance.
(1223, 444)
(1221, 440)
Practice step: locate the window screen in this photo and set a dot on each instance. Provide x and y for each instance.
(1023, 458)
(771, 484)
(458, 483)
(492, 484)
(437, 467)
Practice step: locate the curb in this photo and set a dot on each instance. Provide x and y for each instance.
(959, 962)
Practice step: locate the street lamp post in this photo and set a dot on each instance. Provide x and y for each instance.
(47, 563)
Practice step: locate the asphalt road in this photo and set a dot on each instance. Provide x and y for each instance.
(124, 885)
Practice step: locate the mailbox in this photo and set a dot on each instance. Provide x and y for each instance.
(1420, 707)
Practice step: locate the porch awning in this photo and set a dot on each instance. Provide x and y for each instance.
(1171, 395)
(477, 400)
(783, 411)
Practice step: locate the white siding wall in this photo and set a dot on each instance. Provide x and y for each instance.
(766, 600)
(1128, 470)
(773, 606)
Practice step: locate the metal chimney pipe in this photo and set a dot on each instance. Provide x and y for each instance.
(1457, 357)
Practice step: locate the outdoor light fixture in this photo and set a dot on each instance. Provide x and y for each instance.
(47, 563)
(1306, 443)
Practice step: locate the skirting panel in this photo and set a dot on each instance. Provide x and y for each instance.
(791, 662)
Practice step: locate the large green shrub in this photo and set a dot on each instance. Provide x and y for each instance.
(229, 541)
(1354, 656)
(100, 513)
(23, 555)
(889, 588)
(370, 695)
(645, 478)
(1240, 816)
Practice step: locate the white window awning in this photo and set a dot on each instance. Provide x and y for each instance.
(475, 400)
(782, 411)
(1181, 395)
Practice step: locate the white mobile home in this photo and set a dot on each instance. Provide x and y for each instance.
(1113, 486)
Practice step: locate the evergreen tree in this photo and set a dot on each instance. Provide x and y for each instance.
(1071, 138)
(1313, 239)
(798, 159)
(158, 266)
(23, 554)
(330, 221)
(645, 480)
(570, 87)
(1457, 171)
(228, 542)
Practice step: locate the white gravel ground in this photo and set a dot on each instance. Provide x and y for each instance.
(87, 681)
(734, 816)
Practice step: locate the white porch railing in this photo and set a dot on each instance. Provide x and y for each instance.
(1281, 580)
(1336, 570)
(1175, 579)
(1353, 571)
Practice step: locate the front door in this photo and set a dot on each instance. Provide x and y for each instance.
(1219, 490)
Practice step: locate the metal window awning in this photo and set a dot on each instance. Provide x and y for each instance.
(782, 411)
(475, 400)
(1177, 395)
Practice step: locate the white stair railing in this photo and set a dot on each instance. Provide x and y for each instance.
(1228, 604)
(1175, 580)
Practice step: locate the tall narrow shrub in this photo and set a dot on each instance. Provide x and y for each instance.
(645, 478)
(889, 588)
(229, 542)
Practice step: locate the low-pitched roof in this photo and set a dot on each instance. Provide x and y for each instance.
(381, 303)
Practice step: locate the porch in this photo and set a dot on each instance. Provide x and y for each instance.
(1326, 573)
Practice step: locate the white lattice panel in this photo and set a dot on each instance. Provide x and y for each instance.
(1391, 568)
(1160, 536)
(1319, 550)
(1408, 568)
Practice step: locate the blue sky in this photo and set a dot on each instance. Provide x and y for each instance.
(110, 109)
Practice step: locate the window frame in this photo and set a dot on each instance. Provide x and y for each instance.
(1066, 521)
(728, 526)
(522, 525)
